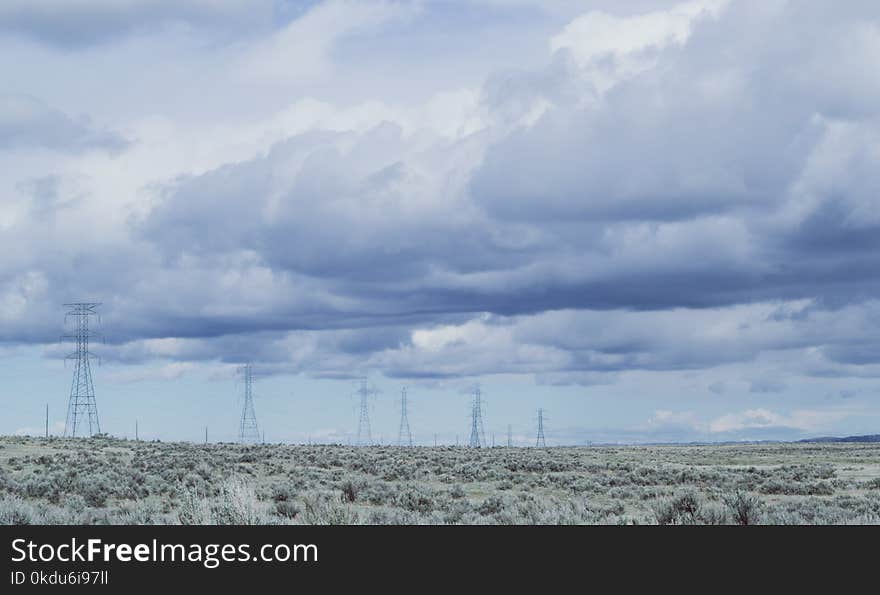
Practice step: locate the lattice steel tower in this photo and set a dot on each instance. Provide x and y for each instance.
(364, 436)
(81, 408)
(404, 436)
(540, 440)
(478, 433)
(248, 431)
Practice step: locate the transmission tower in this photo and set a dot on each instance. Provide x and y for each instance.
(541, 442)
(81, 408)
(248, 431)
(364, 436)
(478, 433)
(404, 436)
(509, 436)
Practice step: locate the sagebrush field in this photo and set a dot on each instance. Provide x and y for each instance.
(103, 480)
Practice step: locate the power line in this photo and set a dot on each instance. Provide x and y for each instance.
(81, 408)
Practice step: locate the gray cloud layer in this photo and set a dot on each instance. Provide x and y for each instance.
(27, 123)
(86, 22)
(678, 204)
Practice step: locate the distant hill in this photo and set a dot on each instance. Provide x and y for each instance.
(868, 438)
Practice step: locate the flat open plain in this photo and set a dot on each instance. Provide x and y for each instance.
(104, 480)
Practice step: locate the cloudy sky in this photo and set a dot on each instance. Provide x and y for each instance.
(657, 220)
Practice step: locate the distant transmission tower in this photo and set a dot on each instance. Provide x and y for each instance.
(404, 436)
(478, 433)
(364, 436)
(541, 442)
(248, 431)
(81, 408)
(509, 436)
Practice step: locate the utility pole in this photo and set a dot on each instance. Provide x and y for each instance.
(136, 436)
(404, 436)
(81, 408)
(248, 431)
(206, 434)
(435, 440)
(47, 420)
(509, 436)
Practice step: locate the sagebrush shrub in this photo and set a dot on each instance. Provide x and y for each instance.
(14, 510)
(744, 508)
(349, 491)
(287, 509)
(682, 510)
(321, 509)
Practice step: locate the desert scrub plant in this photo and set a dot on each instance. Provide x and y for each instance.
(457, 492)
(744, 508)
(385, 516)
(287, 509)
(139, 512)
(95, 493)
(873, 484)
(238, 504)
(377, 492)
(796, 488)
(235, 504)
(713, 514)
(491, 505)
(322, 509)
(681, 510)
(415, 499)
(349, 491)
(14, 510)
(282, 493)
(193, 509)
